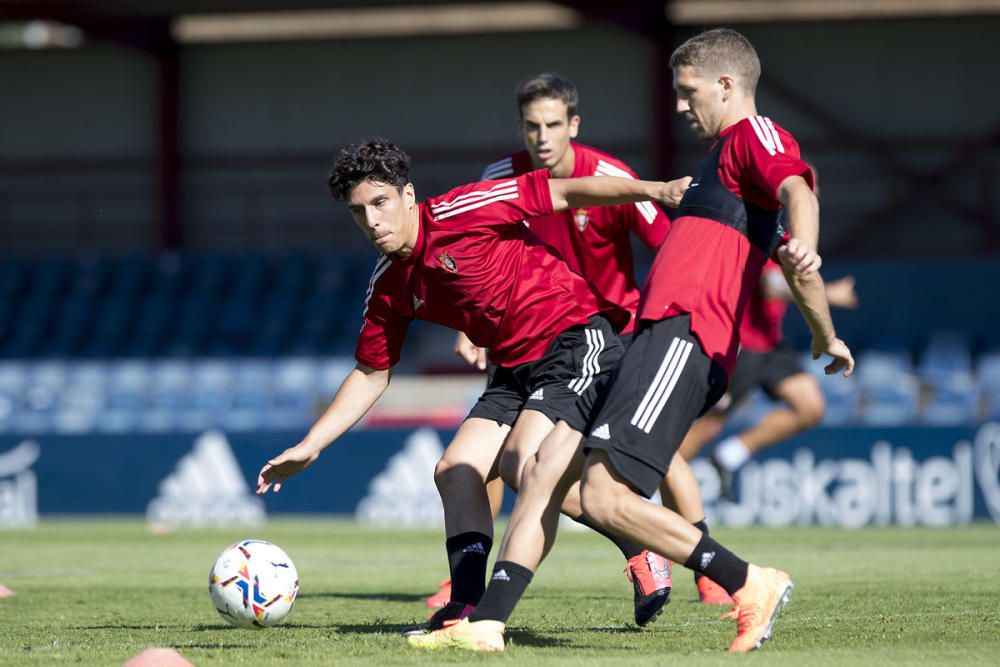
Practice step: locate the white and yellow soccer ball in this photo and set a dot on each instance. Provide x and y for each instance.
(253, 584)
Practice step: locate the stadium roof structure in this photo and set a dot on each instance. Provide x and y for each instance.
(161, 27)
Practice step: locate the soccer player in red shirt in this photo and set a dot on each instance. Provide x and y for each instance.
(596, 243)
(767, 360)
(678, 363)
(464, 260)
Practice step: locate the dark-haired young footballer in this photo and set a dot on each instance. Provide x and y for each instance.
(464, 260)
(677, 365)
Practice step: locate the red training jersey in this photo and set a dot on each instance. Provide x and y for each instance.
(476, 269)
(595, 241)
(760, 329)
(710, 268)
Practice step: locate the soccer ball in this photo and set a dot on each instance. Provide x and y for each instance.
(253, 584)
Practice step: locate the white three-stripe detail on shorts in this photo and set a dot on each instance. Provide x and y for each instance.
(591, 366)
(662, 386)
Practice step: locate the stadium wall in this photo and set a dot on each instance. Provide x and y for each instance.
(848, 477)
(260, 122)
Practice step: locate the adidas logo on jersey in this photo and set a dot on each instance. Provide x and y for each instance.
(476, 548)
(206, 487)
(537, 395)
(603, 432)
(706, 558)
(501, 575)
(417, 302)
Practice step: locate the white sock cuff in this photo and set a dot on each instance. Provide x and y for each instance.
(732, 453)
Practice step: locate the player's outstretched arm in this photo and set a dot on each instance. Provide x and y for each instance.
(613, 190)
(357, 394)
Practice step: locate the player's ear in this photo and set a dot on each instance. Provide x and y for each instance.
(409, 195)
(728, 84)
(574, 126)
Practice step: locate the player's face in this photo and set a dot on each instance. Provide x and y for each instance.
(699, 100)
(384, 214)
(547, 128)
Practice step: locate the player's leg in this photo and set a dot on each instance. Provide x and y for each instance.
(703, 431)
(759, 593)
(806, 407)
(665, 381)
(461, 476)
(527, 540)
(679, 492)
(494, 491)
(780, 374)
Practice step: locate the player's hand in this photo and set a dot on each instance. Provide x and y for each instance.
(841, 293)
(801, 257)
(291, 461)
(673, 191)
(471, 353)
(842, 359)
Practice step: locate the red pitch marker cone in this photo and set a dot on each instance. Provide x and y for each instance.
(158, 657)
(5, 592)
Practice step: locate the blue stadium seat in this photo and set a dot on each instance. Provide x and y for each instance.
(952, 402)
(946, 357)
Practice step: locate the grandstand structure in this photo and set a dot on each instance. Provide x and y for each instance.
(171, 261)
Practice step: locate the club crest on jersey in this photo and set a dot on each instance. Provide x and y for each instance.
(448, 262)
(581, 217)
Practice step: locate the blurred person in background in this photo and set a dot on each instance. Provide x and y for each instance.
(768, 361)
(464, 260)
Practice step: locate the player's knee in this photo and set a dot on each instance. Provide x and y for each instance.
(811, 407)
(511, 467)
(598, 501)
(449, 474)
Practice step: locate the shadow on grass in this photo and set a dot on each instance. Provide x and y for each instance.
(529, 638)
(378, 597)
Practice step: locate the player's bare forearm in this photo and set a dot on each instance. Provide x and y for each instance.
(357, 394)
(802, 210)
(612, 190)
(809, 293)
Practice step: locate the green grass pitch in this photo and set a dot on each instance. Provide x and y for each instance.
(95, 592)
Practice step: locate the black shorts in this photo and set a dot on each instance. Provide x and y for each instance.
(565, 383)
(766, 370)
(661, 386)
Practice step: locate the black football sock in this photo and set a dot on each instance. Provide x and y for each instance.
(627, 547)
(718, 564)
(467, 554)
(703, 527)
(506, 587)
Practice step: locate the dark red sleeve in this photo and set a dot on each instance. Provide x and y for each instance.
(383, 332)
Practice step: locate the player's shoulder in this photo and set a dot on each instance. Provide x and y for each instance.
(512, 164)
(600, 163)
(764, 132)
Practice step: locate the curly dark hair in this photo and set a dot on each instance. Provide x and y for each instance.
(377, 160)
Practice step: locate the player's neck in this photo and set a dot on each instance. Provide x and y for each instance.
(732, 116)
(566, 166)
